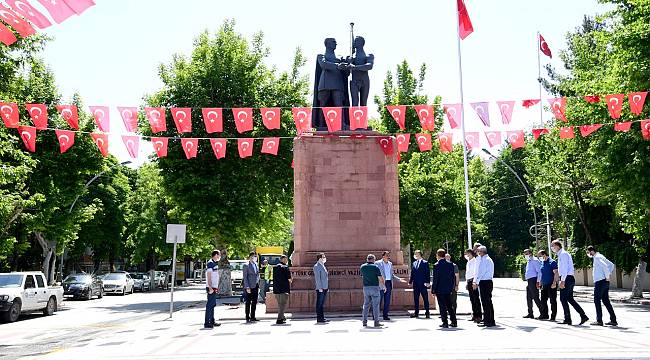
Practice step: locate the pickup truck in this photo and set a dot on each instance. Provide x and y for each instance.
(23, 292)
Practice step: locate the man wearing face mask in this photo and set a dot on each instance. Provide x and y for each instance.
(602, 270)
(322, 279)
(550, 278)
(251, 275)
(470, 273)
(483, 282)
(533, 276)
(567, 282)
(211, 287)
(420, 279)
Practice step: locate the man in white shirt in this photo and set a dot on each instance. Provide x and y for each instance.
(483, 282)
(386, 268)
(211, 287)
(470, 273)
(602, 270)
(567, 282)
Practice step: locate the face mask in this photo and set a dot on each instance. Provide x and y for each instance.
(541, 258)
(217, 259)
(527, 257)
(467, 257)
(254, 259)
(590, 256)
(323, 260)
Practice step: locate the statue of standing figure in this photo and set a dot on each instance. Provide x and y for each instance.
(359, 67)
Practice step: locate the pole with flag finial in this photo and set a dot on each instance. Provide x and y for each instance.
(541, 123)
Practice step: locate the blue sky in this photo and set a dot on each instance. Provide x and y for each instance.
(111, 53)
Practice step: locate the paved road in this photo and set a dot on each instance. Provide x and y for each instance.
(135, 326)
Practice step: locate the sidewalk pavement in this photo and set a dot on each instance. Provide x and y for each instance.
(623, 296)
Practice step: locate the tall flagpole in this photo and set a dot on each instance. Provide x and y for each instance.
(462, 114)
(541, 124)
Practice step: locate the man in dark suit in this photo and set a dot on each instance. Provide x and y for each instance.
(442, 285)
(251, 280)
(420, 279)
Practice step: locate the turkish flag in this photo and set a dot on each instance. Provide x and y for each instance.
(30, 13)
(398, 112)
(558, 106)
(245, 147)
(7, 36)
(79, 6)
(637, 100)
(243, 119)
(130, 117)
(219, 147)
(302, 119)
(38, 113)
(645, 129)
(271, 117)
(592, 99)
(182, 119)
(386, 144)
(454, 114)
(472, 140)
(529, 102)
(403, 142)
(516, 139)
(132, 143)
(543, 47)
(10, 114)
(66, 139)
(539, 132)
(445, 142)
(424, 141)
(623, 126)
(464, 23)
(59, 10)
(358, 117)
(483, 111)
(157, 119)
(101, 140)
(333, 117)
(69, 113)
(270, 145)
(426, 116)
(28, 134)
(160, 145)
(614, 105)
(567, 132)
(506, 108)
(493, 138)
(102, 117)
(12, 19)
(586, 130)
(190, 147)
(213, 119)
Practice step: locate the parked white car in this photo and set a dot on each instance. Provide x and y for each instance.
(237, 274)
(118, 283)
(23, 292)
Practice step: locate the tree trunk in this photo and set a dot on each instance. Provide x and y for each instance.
(48, 253)
(581, 214)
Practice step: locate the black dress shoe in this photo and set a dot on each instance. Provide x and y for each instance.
(414, 315)
(208, 326)
(529, 316)
(386, 318)
(428, 316)
(566, 322)
(453, 325)
(254, 320)
(542, 317)
(611, 323)
(216, 324)
(444, 326)
(583, 320)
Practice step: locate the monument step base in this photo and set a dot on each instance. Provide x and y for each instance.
(344, 300)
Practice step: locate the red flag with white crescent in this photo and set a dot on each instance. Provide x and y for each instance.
(586, 130)
(493, 138)
(102, 117)
(270, 145)
(403, 141)
(182, 119)
(472, 140)
(245, 147)
(623, 126)
(567, 132)
(7, 36)
(506, 108)
(637, 100)
(454, 114)
(66, 139)
(129, 117)
(539, 132)
(28, 134)
(219, 147)
(614, 105)
(79, 6)
(160, 144)
(645, 129)
(386, 144)
(592, 99)
(358, 117)
(529, 102)
(424, 141)
(70, 114)
(445, 142)
(543, 47)
(38, 114)
(302, 119)
(483, 111)
(213, 119)
(10, 114)
(464, 22)
(190, 147)
(271, 117)
(558, 107)
(516, 139)
(398, 113)
(30, 13)
(426, 116)
(243, 119)
(333, 116)
(59, 10)
(101, 140)
(132, 144)
(19, 24)
(157, 118)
